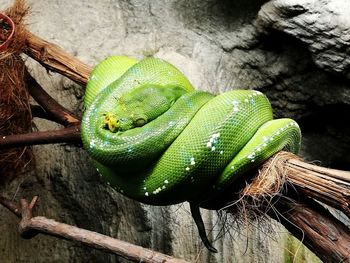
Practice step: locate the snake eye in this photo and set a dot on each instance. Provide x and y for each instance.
(140, 122)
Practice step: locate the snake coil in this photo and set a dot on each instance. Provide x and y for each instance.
(155, 139)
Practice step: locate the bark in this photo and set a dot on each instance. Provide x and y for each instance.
(55, 58)
(65, 135)
(54, 110)
(30, 226)
(329, 186)
(311, 223)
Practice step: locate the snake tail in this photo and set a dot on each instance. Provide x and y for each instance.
(197, 217)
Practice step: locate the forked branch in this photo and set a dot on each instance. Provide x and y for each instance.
(30, 226)
(289, 184)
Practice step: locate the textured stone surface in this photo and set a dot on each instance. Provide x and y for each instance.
(217, 45)
(323, 25)
(317, 38)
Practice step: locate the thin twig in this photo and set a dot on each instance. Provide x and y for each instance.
(33, 202)
(54, 110)
(66, 135)
(39, 112)
(10, 205)
(30, 226)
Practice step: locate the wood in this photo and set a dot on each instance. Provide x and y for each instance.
(284, 188)
(329, 186)
(56, 59)
(311, 223)
(10, 205)
(31, 226)
(66, 135)
(97, 241)
(53, 109)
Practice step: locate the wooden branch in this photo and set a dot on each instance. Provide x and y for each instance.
(311, 223)
(329, 186)
(284, 188)
(55, 58)
(10, 205)
(49, 109)
(66, 135)
(39, 112)
(96, 240)
(27, 214)
(54, 110)
(30, 226)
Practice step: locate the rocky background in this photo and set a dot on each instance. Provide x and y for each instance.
(295, 51)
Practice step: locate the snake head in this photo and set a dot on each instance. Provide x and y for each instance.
(123, 123)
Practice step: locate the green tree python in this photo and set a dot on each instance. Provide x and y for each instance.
(156, 139)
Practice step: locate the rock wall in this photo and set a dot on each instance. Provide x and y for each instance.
(294, 51)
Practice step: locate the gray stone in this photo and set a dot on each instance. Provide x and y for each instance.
(322, 25)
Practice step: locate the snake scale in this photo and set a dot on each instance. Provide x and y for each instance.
(156, 139)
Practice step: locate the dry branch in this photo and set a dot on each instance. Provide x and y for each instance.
(66, 135)
(289, 184)
(10, 206)
(329, 186)
(95, 240)
(53, 109)
(311, 223)
(30, 226)
(55, 58)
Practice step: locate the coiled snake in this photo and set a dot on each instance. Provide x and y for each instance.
(155, 139)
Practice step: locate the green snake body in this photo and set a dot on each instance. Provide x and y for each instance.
(157, 140)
